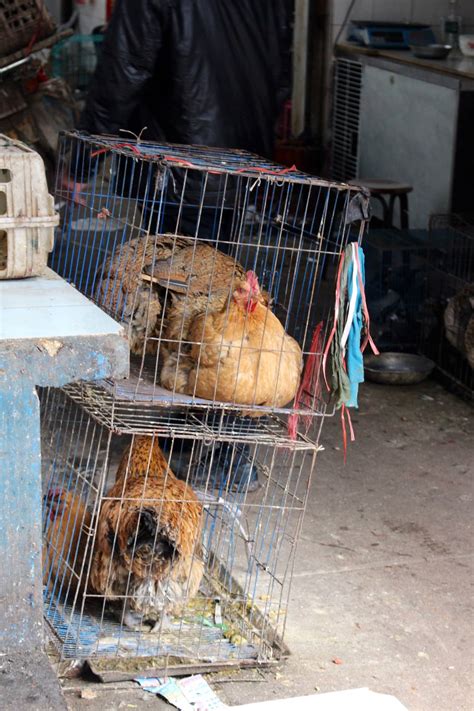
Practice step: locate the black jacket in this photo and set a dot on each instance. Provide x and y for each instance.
(205, 72)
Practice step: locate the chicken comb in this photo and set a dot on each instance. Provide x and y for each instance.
(252, 280)
(54, 492)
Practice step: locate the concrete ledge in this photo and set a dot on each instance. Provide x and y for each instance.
(57, 361)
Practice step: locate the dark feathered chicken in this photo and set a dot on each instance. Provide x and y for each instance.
(459, 322)
(131, 297)
(148, 543)
(159, 284)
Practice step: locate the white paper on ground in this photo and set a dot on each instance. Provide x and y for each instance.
(350, 700)
(191, 693)
(194, 694)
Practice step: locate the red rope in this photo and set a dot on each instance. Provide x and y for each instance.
(309, 388)
(117, 145)
(187, 164)
(344, 433)
(336, 316)
(256, 169)
(346, 414)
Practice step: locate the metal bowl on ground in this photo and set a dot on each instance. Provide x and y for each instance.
(431, 51)
(397, 368)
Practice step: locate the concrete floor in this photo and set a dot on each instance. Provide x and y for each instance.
(383, 570)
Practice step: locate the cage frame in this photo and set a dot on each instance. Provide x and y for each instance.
(295, 249)
(450, 259)
(271, 646)
(287, 460)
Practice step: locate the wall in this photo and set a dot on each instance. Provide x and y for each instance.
(91, 13)
(428, 11)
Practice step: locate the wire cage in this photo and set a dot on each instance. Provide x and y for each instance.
(447, 317)
(74, 59)
(219, 263)
(395, 285)
(191, 570)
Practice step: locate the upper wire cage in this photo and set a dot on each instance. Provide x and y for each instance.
(220, 264)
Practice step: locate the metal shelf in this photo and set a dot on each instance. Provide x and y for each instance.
(126, 417)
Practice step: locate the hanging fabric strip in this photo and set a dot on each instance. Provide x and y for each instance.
(349, 336)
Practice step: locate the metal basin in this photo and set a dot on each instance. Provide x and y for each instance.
(397, 368)
(431, 51)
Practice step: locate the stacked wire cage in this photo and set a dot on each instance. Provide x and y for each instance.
(447, 312)
(174, 499)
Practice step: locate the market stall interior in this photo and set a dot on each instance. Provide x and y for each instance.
(210, 495)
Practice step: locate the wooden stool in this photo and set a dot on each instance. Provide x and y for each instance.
(382, 190)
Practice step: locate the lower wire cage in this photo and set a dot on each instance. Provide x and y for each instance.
(175, 549)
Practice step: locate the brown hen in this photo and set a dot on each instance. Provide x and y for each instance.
(126, 293)
(241, 354)
(157, 284)
(65, 541)
(148, 539)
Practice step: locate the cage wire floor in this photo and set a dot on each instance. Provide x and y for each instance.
(141, 387)
(107, 405)
(209, 633)
(217, 628)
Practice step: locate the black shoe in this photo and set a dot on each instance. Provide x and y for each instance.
(231, 470)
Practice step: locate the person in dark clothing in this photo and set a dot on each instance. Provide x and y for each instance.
(201, 72)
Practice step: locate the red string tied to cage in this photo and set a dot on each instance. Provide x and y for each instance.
(310, 389)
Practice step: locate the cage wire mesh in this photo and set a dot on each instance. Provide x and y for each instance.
(395, 288)
(447, 314)
(117, 413)
(218, 263)
(74, 59)
(191, 574)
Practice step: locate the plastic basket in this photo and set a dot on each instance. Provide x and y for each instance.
(27, 216)
(23, 23)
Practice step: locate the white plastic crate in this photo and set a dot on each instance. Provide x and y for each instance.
(27, 216)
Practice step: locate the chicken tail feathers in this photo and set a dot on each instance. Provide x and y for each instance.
(146, 534)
